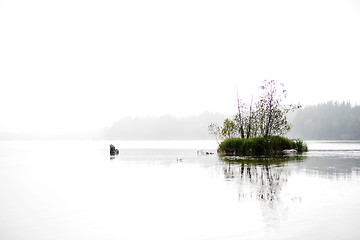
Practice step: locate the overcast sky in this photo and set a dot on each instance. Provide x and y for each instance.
(79, 65)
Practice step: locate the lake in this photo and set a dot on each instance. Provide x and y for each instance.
(165, 190)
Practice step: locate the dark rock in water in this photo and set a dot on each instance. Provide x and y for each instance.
(202, 152)
(113, 150)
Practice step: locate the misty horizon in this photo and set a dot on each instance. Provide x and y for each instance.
(108, 60)
(193, 127)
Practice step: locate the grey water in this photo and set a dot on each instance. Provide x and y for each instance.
(166, 190)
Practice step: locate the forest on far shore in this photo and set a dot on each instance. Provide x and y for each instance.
(326, 121)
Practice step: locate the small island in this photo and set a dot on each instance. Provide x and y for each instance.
(259, 128)
(261, 146)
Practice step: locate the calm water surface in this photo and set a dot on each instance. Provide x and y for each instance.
(164, 190)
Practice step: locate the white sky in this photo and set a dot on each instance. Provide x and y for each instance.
(79, 65)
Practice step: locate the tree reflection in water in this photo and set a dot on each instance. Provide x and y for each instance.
(261, 179)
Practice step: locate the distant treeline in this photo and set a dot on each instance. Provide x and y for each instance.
(327, 121)
(163, 128)
(330, 121)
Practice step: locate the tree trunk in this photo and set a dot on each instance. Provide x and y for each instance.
(242, 134)
(270, 113)
(250, 115)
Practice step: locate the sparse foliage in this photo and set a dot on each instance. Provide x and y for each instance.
(229, 129)
(267, 117)
(215, 130)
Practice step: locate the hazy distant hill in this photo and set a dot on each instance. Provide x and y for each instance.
(327, 121)
(163, 128)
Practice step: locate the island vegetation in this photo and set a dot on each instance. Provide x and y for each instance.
(258, 128)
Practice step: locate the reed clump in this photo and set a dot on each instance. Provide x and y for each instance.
(260, 146)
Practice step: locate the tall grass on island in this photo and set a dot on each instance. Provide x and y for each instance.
(260, 146)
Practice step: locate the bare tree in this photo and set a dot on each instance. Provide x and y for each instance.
(215, 130)
(273, 113)
(248, 134)
(267, 117)
(239, 118)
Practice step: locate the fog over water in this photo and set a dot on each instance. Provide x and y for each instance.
(75, 67)
(148, 76)
(75, 190)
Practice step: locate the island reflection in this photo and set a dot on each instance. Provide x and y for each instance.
(263, 176)
(261, 179)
